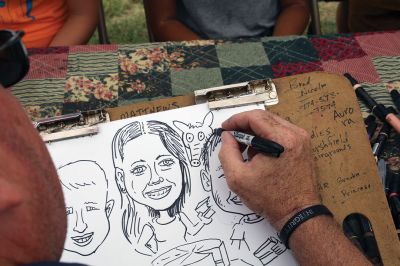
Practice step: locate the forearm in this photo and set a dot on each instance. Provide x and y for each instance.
(82, 21)
(293, 20)
(173, 30)
(162, 18)
(77, 30)
(319, 241)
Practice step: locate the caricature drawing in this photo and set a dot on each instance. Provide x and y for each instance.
(192, 253)
(213, 180)
(194, 136)
(270, 250)
(156, 178)
(88, 210)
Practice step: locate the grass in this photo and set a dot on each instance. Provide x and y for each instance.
(327, 13)
(126, 21)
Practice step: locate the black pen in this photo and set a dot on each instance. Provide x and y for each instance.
(259, 144)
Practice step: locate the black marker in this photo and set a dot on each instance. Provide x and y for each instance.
(354, 238)
(371, 246)
(352, 229)
(381, 140)
(394, 204)
(377, 109)
(265, 146)
(394, 185)
(395, 97)
(388, 181)
(371, 125)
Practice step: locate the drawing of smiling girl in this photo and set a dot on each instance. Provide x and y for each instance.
(151, 169)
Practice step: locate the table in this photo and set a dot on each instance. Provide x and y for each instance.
(63, 80)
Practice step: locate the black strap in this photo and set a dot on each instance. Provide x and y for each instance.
(300, 218)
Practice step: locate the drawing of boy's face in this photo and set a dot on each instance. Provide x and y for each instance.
(152, 177)
(215, 182)
(87, 207)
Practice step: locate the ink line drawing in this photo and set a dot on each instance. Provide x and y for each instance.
(157, 179)
(194, 136)
(270, 250)
(88, 208)
(168, 211)
(193, 253)
(213, 180)
(204, 209)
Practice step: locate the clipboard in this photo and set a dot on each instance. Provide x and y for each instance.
(325, 105)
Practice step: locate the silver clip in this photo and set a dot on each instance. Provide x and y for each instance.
(256, 91)
(70, 125)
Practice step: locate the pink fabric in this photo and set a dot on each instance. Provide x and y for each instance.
(380, 44)
(362, 69)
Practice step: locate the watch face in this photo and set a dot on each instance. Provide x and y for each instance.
(14, 62)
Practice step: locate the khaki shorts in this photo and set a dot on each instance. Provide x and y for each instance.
(373, 15)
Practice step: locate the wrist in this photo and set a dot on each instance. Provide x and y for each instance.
(279, 223)
(300, 218)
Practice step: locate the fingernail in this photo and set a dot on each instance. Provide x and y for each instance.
(223, 137)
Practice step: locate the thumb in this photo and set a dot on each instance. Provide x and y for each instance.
(230, 155)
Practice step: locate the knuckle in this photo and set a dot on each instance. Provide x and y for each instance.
(291, 140)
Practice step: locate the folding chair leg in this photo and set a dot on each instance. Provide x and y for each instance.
(315, 25)
(101, 26)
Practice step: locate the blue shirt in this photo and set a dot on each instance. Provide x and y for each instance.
(229, 19)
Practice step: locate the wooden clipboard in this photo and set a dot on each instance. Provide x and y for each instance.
(348, 181)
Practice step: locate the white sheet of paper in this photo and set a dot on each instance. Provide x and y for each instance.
(135, 196)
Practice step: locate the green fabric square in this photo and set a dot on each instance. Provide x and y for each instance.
(94, 63)
(378, 92)
(242, 54)
(40, 91)
(186, 81)
(388, 67)
(282, 38)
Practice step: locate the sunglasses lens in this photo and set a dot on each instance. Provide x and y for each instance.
(13, 60)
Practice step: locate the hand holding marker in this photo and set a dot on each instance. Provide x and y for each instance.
(265, 146)
(377, 109)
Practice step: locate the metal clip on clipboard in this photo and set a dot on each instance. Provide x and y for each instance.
(70, 125)
(256, 91)
(85, 123)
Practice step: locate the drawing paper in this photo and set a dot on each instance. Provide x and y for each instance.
(150, 191)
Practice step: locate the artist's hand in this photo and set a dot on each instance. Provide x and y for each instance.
(274, 187)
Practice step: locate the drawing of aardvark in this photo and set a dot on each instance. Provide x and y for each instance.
(194, 136)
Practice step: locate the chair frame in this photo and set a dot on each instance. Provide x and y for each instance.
(101, 26)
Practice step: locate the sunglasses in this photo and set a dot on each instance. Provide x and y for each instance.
(14, 62)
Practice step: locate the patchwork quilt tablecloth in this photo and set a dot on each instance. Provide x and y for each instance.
(63, 80)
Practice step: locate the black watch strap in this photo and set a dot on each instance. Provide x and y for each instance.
(300, 218)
